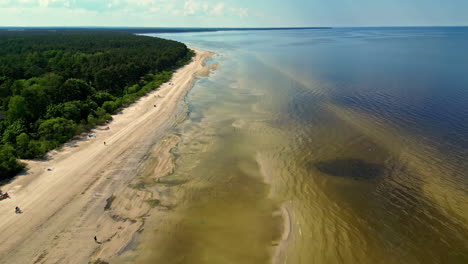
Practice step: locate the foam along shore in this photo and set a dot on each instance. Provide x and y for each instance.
(81, 204)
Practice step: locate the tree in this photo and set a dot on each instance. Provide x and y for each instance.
(54, 110)
(47, 80)
(9, 166)
(5, 84)
(57, 129)
(86, 107)
(17, 87)
(71, 111)
(101, 97)
(36, 149)
(12, 131)
(22, 145)
(52, 83)
(74, 89)
(109, 106)
(36, 100)
(17, 109)
(104, 80)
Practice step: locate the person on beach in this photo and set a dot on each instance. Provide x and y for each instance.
(18, 210)
(104, 143)
(5, 195)
(95, 239)
(154, 105)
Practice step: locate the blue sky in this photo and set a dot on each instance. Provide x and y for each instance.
(233, 13)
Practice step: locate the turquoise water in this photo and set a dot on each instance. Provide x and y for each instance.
(322, 146)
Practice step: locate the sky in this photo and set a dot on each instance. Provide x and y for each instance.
(233, 13)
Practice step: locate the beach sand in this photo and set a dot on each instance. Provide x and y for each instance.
(92, 188)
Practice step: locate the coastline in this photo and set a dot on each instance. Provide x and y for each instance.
(285, 212)
(93, 189)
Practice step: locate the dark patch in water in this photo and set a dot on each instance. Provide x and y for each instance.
(351, 168)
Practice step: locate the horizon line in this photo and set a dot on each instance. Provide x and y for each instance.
(175, 30)
(268, 27)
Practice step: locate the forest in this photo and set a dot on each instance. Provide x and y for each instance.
(56, 85)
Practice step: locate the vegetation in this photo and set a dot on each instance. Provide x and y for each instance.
(55, 85)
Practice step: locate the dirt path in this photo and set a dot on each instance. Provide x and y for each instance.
(88, 192)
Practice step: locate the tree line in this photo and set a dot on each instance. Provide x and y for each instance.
(55, 85)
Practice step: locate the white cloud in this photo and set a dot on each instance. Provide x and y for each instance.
(241, 12)
(218, 9)
(40, 3)
(144, 3)
(113, 3)
(194, 7)
(120, 12)
(154, 10)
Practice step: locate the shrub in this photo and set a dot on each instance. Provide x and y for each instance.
(57, 129)
(9, 166)
(109, 106)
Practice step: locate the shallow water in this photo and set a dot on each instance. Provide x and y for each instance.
(360, 135)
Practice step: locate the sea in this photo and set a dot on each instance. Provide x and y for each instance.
(341, 145)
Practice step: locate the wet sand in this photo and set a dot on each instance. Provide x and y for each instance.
(92, 188)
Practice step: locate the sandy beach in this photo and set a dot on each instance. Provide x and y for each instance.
(88, 188)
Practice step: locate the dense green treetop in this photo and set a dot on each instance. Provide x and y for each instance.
(54, 85)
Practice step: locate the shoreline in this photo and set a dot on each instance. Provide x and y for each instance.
(279, 251)
(92, 189)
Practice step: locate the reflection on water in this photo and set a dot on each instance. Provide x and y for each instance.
(352, 144)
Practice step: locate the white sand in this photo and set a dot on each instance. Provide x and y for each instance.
(64, 208)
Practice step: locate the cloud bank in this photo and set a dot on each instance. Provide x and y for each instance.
(174, 7)
(157, 13)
